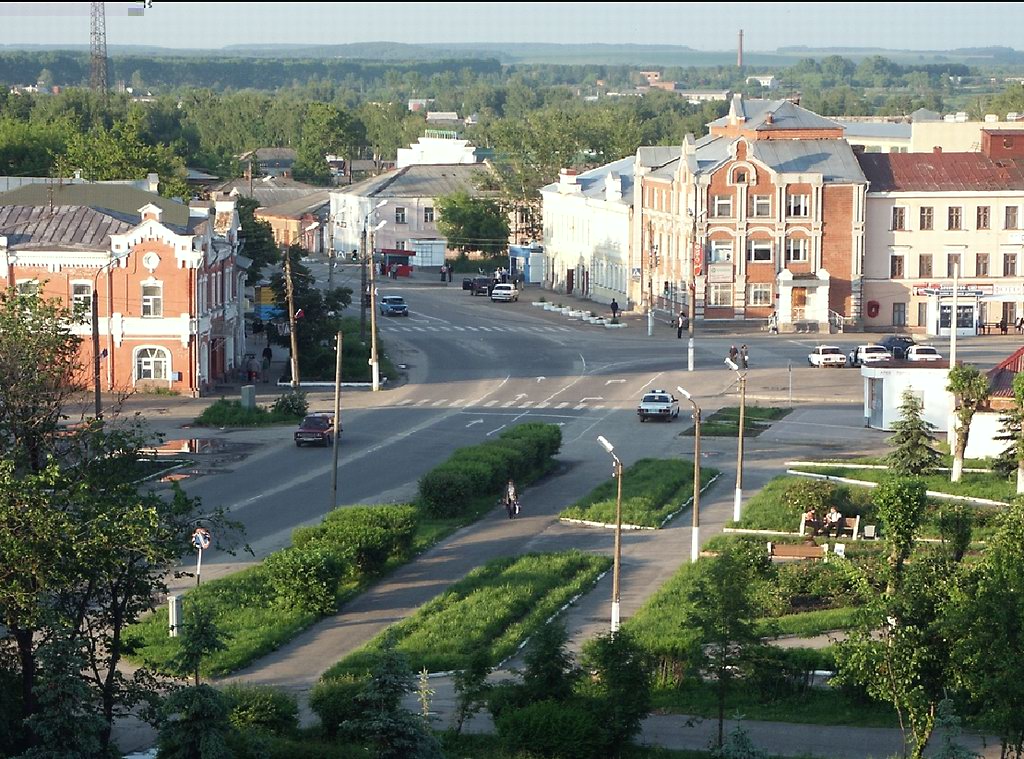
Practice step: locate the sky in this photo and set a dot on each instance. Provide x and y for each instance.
(707, 26)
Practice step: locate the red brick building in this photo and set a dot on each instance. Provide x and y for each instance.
(765, 212)
(168, 278)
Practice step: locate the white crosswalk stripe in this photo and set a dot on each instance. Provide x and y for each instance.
(495, 404)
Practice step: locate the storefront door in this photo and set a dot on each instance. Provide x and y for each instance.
(799, 304)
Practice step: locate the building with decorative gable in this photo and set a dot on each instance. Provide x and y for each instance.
(168, 279)
(764, 213)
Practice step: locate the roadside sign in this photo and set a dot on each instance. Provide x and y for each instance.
(636, 273)
(201, 539)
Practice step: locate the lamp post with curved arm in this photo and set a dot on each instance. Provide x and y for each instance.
(95, 307)
(617, 560)
(742, 376)
(695, 532)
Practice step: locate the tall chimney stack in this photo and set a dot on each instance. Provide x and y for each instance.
(739, 52)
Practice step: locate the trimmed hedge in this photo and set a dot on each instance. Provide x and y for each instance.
(334, 702)
(521, 453)
(262, 708)
(556, 729)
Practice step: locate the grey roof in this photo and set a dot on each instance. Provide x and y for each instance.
(591, 182)
(300, 205)
(121, 199)
(923, 114)
(887, 129)
(428, 181)
(62, 228)
(656, 156)
(270, 191)
(785, 115)
(833, 159)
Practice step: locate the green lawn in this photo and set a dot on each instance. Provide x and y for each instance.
(976, 484)
(494, 608)
(652, 489)
(726, 421)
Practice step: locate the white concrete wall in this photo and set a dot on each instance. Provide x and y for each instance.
(436, 150)
(982, 442)
(928, 384)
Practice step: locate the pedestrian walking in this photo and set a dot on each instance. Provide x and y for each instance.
(615, 308)
(773, 323)
(733, 353)
(252, 369)
(450, 267)
(268, 356)
(743, 356)
(681, 324)
(444, 272)
(511, 500)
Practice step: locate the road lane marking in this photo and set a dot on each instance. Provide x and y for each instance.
(561, 405)
(475, 421)
(489, 404)
(497, 430)
(614, 382)
(440, 402)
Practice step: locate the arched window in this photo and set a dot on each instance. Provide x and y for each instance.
(152, 364)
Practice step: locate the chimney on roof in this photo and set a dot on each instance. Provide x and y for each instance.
(937, 149)
(769, 118)
(568, 181)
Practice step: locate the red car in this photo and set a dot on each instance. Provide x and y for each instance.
(316, 429)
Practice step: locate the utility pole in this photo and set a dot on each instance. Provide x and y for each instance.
(738, 500)
(374, 366)
(291, 317)
(337, 423)
(362, 281)
(696, 266)
(330, 254)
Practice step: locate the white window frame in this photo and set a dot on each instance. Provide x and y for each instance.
(762, 206)
(1016, 220)
(798, 206)
(759, 294)
(800, 246)
(399, 215)
(722, 207)
(715, 293)
(148, 301)
(949, 218)
(27, 286)
(760, 251)
(152, 361)
(428, 214)
(81, 301)
(721, 252)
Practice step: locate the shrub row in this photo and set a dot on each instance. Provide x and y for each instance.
(521, 453)
(289, 407)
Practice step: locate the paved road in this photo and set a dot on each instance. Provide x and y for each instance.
(473, 368)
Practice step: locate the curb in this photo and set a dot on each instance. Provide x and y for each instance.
(686, 504)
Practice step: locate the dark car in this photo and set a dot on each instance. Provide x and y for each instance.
(316, 429)
(393, 305)
(467, 283)
(482, 285)
(897, 345)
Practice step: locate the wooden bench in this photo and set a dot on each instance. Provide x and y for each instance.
(796, 551)
(850, 526)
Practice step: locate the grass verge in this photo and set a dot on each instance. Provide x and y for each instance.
(974, 484)
(726, 421)
(494, 608)
(652, 489)
(225, 413)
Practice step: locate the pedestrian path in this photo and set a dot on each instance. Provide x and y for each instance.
(387, 326)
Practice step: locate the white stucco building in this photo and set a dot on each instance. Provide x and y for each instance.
(931, 213)
(438, 146)
(587, 231)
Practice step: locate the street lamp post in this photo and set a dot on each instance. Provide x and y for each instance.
(696, 249)
(617, 560)
(362, 273)
(695, 537)
(736, 506)
(374, 365)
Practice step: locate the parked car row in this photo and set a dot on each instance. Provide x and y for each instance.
(890, 348)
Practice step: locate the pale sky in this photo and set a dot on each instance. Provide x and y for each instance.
(707, 26)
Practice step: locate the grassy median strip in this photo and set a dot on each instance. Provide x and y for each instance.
(652, 489)
(494, 609)
(973, 484)
(726, 421)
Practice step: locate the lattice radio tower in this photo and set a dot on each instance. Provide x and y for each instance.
(98, 47)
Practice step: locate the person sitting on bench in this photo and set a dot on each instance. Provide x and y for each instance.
(833, 522)
(812, 525)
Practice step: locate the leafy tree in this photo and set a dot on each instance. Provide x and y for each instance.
(67, 725)
(900, 502)
(321, 315)
(970, 390)
(621, 683)
(724, 612)
(1013, 430)
(258, 239)
(914, 454)
(472, 223)
(194, 725)
(955, 529)
(392, 731)
(325, 129)
(199, 637)
(550, 673)
(122, 153)
(987, 627)
(27, 149)
(471, 688)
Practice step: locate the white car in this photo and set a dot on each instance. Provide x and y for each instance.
(827, 355)
(869, 354)
(658, 404)
(923, 353)
(505, 292)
